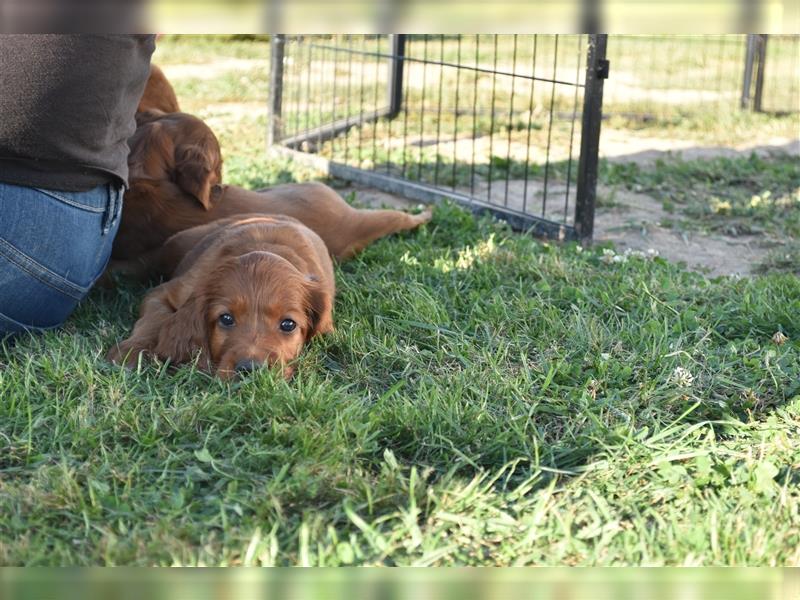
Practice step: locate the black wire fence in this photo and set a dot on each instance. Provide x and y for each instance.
(507, 124)
(501, 123)
(781, 73)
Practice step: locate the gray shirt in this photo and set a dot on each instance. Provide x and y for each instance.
(67, 106)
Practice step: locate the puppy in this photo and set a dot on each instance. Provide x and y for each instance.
(178, 147)
(175, 148)
(245, 292)
(176, 166)
(156, 209)
(158, 93)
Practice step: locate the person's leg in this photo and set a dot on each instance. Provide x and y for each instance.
(53, 247)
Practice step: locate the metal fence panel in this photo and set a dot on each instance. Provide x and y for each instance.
(491, 121)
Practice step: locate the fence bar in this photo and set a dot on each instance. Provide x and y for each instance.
(275, 129)
(747, 80)
(596, 71)
(761, 54)
(411, 59)
(397, 62)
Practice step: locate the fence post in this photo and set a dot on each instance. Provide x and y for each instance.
(761, 53)
(747, 80)
(275, 128)
(398, 52)
(596, 71)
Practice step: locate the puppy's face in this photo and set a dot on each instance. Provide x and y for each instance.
(259, 311)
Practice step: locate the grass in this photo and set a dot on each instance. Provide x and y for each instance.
(487, 399)
(785, 258)
(195, 49)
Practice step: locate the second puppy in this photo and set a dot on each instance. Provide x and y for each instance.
(176, 168)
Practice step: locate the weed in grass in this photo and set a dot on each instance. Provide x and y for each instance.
(735, 196)
(783, 258)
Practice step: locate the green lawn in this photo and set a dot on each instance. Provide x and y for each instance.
(486, 399)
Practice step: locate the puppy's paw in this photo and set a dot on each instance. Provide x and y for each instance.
(423, 217)
(125, 354)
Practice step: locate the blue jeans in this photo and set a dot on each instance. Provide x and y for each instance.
(53, 247)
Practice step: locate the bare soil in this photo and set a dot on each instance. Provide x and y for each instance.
(633, 219)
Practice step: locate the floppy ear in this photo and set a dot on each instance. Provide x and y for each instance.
(194, 173)
(156, 311)
(320, 308)
(145, 116)
(185, 331)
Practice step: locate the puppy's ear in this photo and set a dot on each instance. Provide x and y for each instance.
(185, 332)
(195, 172)
(320, 307)
(145, 116)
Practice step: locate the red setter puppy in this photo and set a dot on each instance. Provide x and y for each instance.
(178, 147)
(175, 165)
(244, 292)
(175, 148)
(158, 93)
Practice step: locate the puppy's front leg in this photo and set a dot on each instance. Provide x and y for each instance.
(156, 310)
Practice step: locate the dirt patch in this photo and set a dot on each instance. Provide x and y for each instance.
(632, 222)
(225, 114)
(620, 146)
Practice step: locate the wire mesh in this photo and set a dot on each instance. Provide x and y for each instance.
(782, 93)
(664, 76)
(490, 120)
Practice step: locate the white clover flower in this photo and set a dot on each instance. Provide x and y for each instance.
(682, 377)
(608, 256)
(631, 253)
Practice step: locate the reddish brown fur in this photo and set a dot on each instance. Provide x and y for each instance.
(175, 149)
(259, 269)
(161, 200)
(158, 93)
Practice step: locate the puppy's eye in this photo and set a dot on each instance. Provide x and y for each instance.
(288, 325)
(226, 320)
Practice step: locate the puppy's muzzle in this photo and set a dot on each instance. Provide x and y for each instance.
(247, 365)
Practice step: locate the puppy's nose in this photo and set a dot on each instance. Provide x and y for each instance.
(247, 365)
